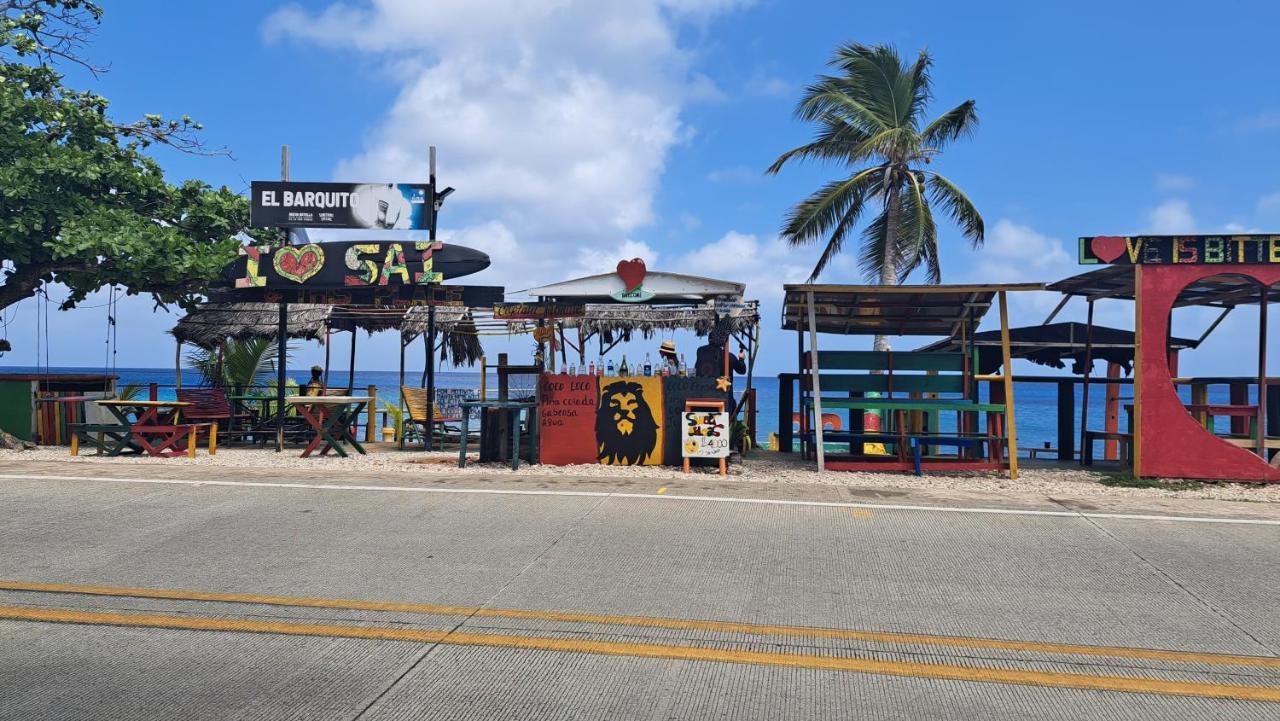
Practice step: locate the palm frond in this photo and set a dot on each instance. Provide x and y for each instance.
(834, 141)
(814, 216)
(874, 250)
(833, 97)
(881, 79)
(957, 122)
(921, 86)
(917, 237)
(958, 207)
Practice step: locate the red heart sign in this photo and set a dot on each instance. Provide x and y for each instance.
(1107, 247)
(299, 264)
(631, 272)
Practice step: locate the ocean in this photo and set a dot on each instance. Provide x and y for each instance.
(1036, 404)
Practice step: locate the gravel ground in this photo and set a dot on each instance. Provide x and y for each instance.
(760, 467)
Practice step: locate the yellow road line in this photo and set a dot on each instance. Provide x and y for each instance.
(645, 650)
(1217, 659)
(662, 490)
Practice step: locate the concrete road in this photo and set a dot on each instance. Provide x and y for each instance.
(313, 601)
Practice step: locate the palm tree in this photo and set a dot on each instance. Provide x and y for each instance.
(241, 364)
(870, 117)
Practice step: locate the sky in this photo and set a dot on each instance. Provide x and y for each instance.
(582, 132)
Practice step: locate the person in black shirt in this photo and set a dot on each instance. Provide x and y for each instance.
(709, 361)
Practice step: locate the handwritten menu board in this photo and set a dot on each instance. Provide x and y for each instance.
(705, 434)
(677, 390)
(567, 419)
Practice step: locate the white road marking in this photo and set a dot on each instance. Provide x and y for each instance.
(652, 497)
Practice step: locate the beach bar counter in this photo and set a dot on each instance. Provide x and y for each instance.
(636, 419)
(627, 420)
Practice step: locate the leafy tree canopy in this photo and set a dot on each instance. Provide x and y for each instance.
(80, 201)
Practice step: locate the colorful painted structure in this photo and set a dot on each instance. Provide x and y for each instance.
(1161, 273)
(908, 388)
(29, 409)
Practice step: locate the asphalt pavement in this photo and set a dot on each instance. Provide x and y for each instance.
(173, 600)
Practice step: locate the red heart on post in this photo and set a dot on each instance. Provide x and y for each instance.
(632, 273)
(1107, 247)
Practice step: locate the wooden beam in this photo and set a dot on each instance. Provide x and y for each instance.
(814, 372)
(1008, 388)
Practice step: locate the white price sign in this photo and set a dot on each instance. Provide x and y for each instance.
(705, 435)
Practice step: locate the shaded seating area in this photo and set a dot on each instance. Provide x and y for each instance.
(927, 404)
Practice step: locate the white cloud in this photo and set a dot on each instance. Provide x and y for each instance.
(1013, 253)
(1170, 217)
(554, 120)
(1260, 122)
(1173, 182)
(744, 257)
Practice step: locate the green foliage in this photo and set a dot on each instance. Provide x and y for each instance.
(396, 414)
(130, 392)
(80, 202)
(244, 363)
(871, 111)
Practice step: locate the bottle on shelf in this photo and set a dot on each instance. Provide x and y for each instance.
(573, 369)
(648, 365)
(609, 371)
(623, 370)
(684, 369)
(591, 368)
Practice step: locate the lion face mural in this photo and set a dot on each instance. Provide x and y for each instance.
(626, 431)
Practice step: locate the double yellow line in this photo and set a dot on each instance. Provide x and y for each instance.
(651, 650)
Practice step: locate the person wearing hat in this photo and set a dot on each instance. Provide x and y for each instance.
(667, 355)
(710, 358)
(315, 386)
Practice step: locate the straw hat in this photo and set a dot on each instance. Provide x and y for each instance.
(668, 348)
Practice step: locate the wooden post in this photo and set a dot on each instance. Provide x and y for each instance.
(1084, 392)
(282, 330)
(817, 388)
(1200, 397)
(1137, 371)
(351, 363)
(1111, 411)
(1006, 357)
(213, 440)
(177, 365)
(1261, 426)
(327, 345)
(484, 377)
(372, 410)
(1066, 420)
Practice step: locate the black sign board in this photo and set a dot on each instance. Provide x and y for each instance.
(374, 206)
(1180, 250)
(394, 296)
(351, 265)
(675, 391)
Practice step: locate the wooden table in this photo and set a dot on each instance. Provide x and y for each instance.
(153, 427)
(512, 408)
(332, 418)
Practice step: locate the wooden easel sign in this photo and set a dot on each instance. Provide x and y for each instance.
(705, 433)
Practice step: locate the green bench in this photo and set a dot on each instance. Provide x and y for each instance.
(909, 384)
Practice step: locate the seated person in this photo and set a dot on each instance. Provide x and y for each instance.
(315, 386)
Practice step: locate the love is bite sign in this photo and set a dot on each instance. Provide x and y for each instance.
(1251, 249)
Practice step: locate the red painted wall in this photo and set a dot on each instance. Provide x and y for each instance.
(1173, 445)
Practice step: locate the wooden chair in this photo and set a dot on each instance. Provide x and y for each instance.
(446, 410)
(211, 406)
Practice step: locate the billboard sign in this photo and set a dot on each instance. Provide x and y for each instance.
(371, 206)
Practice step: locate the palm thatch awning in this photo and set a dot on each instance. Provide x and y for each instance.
(625, 318)
(212, 324)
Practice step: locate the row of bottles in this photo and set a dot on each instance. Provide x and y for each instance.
(602, 368)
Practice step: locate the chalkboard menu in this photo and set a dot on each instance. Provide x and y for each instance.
(567, 419)
(675, 391)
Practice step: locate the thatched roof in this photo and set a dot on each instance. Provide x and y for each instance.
(211, 324)
(610, 318)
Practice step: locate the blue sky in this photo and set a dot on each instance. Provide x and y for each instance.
(579, 133)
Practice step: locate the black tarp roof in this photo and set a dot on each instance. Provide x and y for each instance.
(1053, 344)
